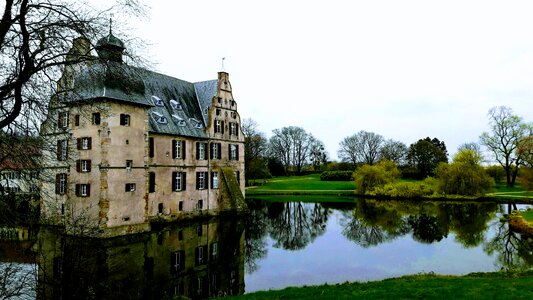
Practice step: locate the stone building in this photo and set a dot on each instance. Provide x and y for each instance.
(130, 146)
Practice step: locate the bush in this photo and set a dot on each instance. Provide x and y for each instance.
(496, 172)
(336, 176)
(367, 178)
(426, 188)
(464, 176)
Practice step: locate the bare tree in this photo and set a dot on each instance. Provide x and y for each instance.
(393, 150)
(362, 147)
(292, 146)
(255, 150)
(507, 130)
(35, 39)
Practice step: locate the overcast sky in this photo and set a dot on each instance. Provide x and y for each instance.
(402, 69)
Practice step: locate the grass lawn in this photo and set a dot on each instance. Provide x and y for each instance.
(428, 286)
(308, 183)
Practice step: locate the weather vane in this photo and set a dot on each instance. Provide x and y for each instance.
(223, 58)
(110, 23)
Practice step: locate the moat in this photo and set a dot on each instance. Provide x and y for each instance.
(279, 244)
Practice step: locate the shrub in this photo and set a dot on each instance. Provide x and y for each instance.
(367, 178)
(426, 188)
(336, 176)
(496, 172)
(464, 176)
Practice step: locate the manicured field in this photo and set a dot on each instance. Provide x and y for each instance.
(308, 183)
(429, 286)
(528, 216)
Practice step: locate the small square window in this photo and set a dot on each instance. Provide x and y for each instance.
(129, 164)
(96, 119)
(130, 187)
(124, 120)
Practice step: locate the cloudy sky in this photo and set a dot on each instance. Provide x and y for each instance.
(402, 69)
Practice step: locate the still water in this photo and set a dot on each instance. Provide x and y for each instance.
(296, 243)
(278, 244)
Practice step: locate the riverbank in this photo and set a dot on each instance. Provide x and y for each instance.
(311, 185)
(497, 285)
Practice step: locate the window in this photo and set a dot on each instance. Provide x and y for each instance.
(234, 115)
(77, 120)
(178, 181)
(83, 190)
(84, 143)
(219, 126)
(159, 118)
(62, 119)
(196, 123)
(214, 251)
(129, 164)
(158, 101)
(151, 147)
(216, 151)
(218, 111)
(233, 129)
(34, 174)
(124, 120)
(178, 149)
(200, 253)
(83, 165)
(177, 261)
(200, 204)
(62, 150)
(96, 119)
(61, 183)
(214, 180)
(199, 230)
(151, 182)
(201, 149)
(179, 121)
(233, 152)
(130, 187)
(201, 182)
(180, 208)
(175, 104)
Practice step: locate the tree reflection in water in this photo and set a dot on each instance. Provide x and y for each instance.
(293, 225)
(368, 223)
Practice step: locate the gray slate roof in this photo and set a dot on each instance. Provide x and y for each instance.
(184, 105)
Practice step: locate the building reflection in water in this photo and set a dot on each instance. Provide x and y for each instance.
(197, 260)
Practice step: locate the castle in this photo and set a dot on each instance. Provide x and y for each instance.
(129, 147)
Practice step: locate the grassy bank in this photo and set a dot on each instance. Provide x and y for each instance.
(312, 185)
(427, 286)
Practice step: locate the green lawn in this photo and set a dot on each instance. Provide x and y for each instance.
(308, 183)
(428, 286)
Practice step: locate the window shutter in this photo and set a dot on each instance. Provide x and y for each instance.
(151, 147)
(66, 147)
(90, 142)
(236, 129)
(197, 150)
(88, 189)
(122, 122)
(77, 120)
(197, 180)
(222, 127)
(183, 181)
(78, 143)
(59, 120)
(77, 190)
(182, 149)
(59, 150)
(78, 165)
(212, 152)
(237, 151)
(206, 150)
(89, 165)
(57, 183)
(151, 182)
(174, 181)
(229, 151)
(126, 187)
(174, 153)
(219, 146)
(206, 179)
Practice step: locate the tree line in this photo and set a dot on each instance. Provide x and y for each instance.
(292, 151)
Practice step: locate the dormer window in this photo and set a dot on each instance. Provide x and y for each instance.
(159, 118)
(175, 105)
(196, 123)
(158, 101)
(206, 111)
(179, 121)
